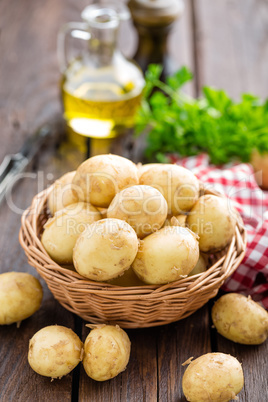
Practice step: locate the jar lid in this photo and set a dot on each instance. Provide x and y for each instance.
(154, 12)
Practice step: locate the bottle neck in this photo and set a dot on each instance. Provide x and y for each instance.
(102, 45)
(152, 47)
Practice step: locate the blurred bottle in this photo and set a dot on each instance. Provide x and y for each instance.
(153, 20)
(101, 89)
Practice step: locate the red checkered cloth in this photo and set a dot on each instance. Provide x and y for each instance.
(238, 183)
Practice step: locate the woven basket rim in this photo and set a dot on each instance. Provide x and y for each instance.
(184, 289)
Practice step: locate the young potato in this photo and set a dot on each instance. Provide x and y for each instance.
(213, 219)
(105, 249)
(178, 220)
(240, 319)
(166, 256)
(20, 296)
(260, 166)
(200, 267)
(128, 278)
(54, 351)
(103, 176)
(178, 185)
(106, 352)
(62, 231)
(62, 194)
(142, 207)
(213, 377)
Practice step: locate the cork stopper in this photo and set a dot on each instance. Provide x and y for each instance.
(155, 12)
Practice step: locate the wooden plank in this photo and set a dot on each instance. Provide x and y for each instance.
(176, 343)
(181, 44)
(232, 49)
(17, 380)
(137, 383)
(255, 367)
(231, 53)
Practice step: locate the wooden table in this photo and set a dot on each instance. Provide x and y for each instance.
(225, 44)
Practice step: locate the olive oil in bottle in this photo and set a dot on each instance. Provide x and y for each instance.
(101, 90)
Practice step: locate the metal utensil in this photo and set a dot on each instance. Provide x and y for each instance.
(15, 164)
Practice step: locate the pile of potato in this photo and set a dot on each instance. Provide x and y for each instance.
(112, 218)
(54, 351)
(133, 225)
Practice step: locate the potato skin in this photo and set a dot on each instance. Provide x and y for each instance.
(105, 249)
(101, 177)
(54, 351)
(63, 193)
(213, 377)
(106, 352)
(20, 296)
(165, 256)
(178, 185)
(143, 207)
(62, 231)
(260, 164)
(178, 220)
(240, 319)
(213, 220)
(200, 267)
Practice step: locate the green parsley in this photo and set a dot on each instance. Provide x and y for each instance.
(215, 124)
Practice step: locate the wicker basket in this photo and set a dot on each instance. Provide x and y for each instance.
(129, 307)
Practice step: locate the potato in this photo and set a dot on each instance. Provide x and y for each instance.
(105, 249)
(128, 278)
(213, 377)
(240, 319)
(200, 267)
(63, 193)
(106, 352)
(142, 207)
(178, 220)
(144, 168)
(178, 185)
(166, 256)
(54, 351)
(20, 296)
(213, 219)
(260, 166)
(103, 176)
(62, 231)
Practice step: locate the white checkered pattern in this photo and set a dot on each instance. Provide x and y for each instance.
(239, 184)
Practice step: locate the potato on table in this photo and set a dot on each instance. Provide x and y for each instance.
(166, 255)
(105, 249)
(240, 319)
(20, 296)
(62, 231)
(178, 185)
(213, 377)
(106, 352)
(54, 351)
(213, 219)
(101, 177)
(143, 207)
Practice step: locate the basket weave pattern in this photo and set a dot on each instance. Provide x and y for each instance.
(129, 307)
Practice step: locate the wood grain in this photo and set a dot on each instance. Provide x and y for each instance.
(177, 343)
(254, 367)
(232, 45)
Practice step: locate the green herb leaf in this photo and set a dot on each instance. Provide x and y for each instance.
(215, 124)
